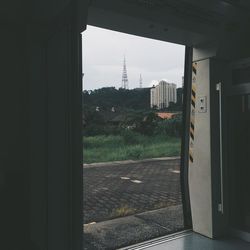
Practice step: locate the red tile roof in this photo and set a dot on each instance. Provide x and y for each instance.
(166, 115)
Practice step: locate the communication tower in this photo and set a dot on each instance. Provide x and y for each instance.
(124, 75)
(140, 82)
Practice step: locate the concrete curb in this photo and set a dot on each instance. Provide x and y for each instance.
(115, 163)
(151, 212)
(127, 231)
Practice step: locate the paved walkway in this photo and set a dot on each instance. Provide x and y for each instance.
(113, 190)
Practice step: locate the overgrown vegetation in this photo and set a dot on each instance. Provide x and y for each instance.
(119, 125)
(130, 145)
(122, 211)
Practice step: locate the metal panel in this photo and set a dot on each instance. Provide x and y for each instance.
(200, 153)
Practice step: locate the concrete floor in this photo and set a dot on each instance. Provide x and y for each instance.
(193, 241)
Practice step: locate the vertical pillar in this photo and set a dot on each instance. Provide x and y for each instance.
(200, 186)
(204, 168)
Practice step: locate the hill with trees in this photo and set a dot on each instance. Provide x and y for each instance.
(121, 99)
(118, 124)
(109, 111)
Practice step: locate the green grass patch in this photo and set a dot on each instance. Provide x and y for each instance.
(128, 146)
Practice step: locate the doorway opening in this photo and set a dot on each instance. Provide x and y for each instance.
(132, 138)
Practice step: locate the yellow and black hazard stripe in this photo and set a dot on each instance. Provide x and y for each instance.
(192, 130)
(191, 158)
(193, 96)
(192, 115)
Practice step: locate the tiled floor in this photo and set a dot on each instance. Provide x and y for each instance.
(195, 241)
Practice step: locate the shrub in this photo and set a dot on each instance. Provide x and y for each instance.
(130, 137)
(135, 152)
(147, 123)
(171, 127)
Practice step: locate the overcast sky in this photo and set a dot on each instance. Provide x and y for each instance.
(104, 50)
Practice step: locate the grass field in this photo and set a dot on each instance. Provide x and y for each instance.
(129, 146)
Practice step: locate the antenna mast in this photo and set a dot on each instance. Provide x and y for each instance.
(140, 83)
(124, 75)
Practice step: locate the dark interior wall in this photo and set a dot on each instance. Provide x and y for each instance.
(55, 139)
(38, 141)
(50, 140)
(14, 102)
(45, 11)
(219, 72)
(234, 44)
(40, 105)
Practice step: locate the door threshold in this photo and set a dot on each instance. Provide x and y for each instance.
(243, 235)
(158, 241)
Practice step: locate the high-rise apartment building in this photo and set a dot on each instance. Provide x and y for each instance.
(162, 94)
